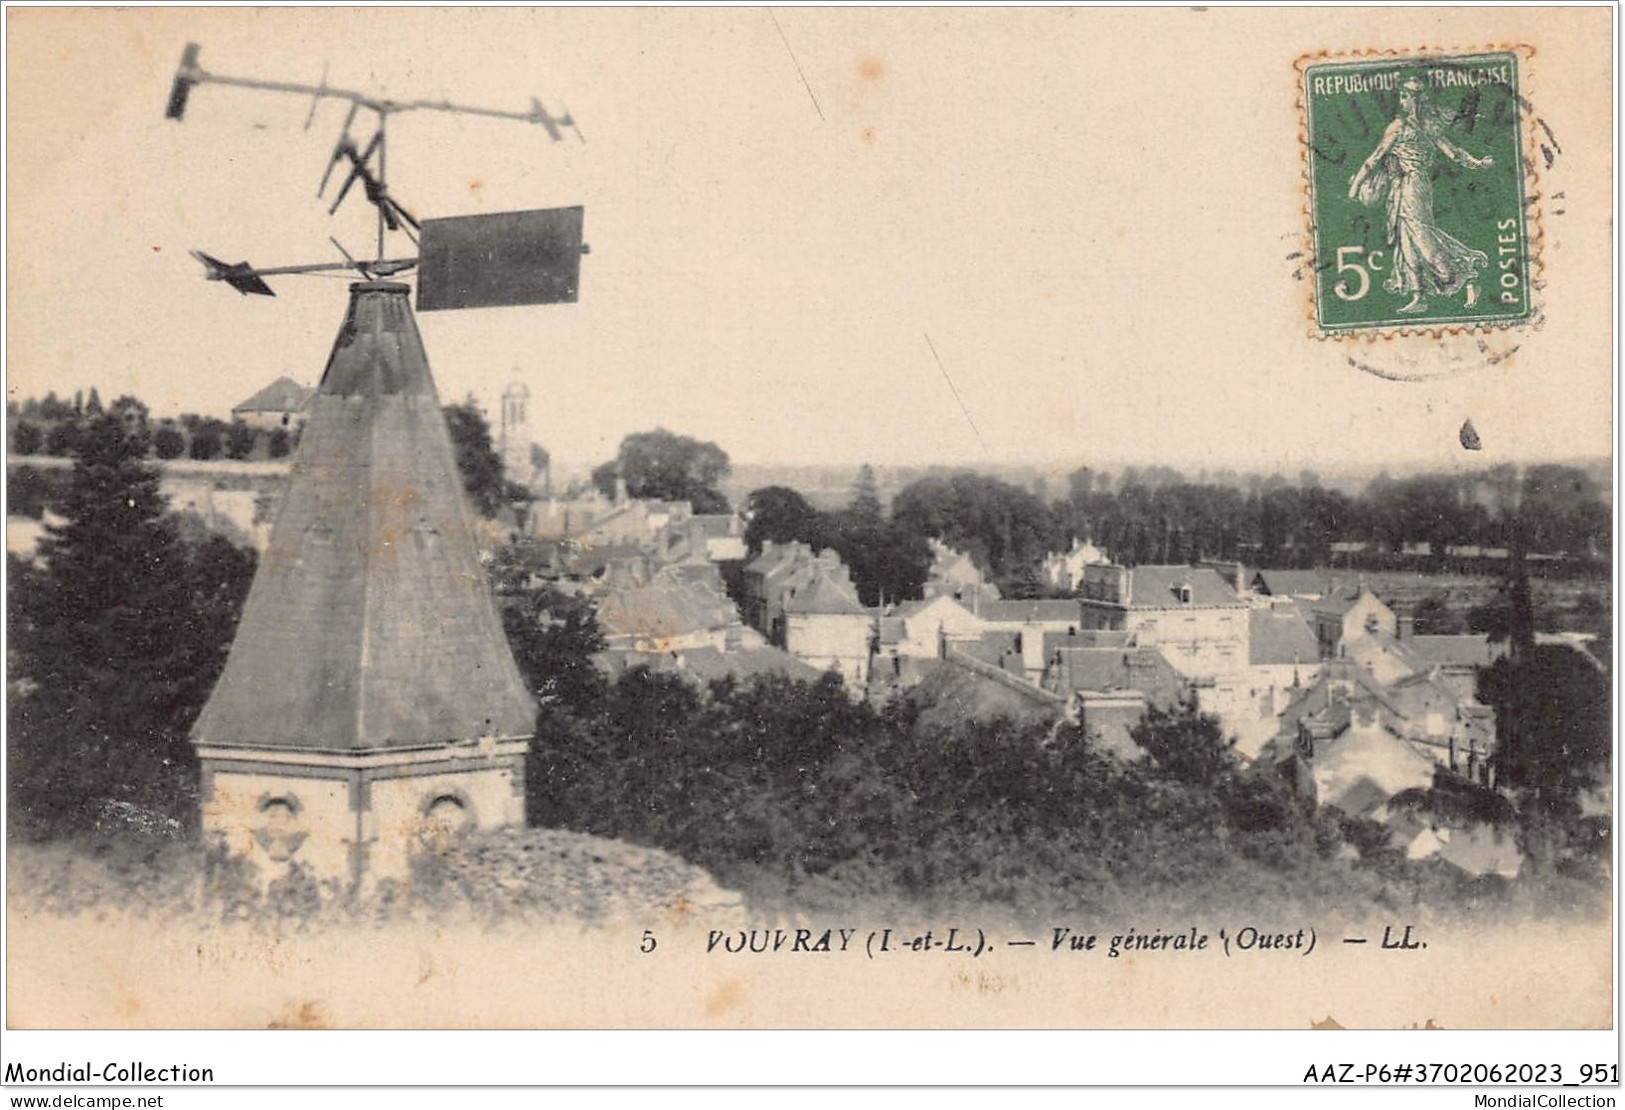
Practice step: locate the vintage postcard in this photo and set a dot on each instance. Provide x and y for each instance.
(909, 519)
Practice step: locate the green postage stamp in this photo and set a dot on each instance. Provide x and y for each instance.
(1417, 191)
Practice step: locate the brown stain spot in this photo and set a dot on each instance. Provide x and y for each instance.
(306, 1015)
(726, 997)
(401, 498)
(868, 134)
(128, 1005)
(393, 531)
(475, 186)
(156, 250)
(871, 69)
(679, 910)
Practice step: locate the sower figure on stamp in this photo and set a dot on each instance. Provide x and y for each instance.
(1426, 260)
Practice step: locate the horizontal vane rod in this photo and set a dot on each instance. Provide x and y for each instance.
(190, 74)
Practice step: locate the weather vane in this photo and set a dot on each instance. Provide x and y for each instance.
(504, 258)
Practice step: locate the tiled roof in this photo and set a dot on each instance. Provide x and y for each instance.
(708, 664)
(989, 647)
(1084, 638)
(1277, 637)
(1364, 768)
(1332, 605)
(711, 664)
(370, 624)
(1455, 651)
(282, 395)
(1293, 583)
(1388, 658)
(772, 557)
(892, 630)
(825, 595)
(1036, 611)
(953, 692)
(1103, 670)
(1158, 588)
(713, 525)
(663, 610)
(1319, 697)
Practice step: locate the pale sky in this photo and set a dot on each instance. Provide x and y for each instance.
(1089, 213)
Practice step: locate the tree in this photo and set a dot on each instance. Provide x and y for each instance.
(886, 560)
(1002, 527)
(664, 466)
(865, 504)
(168, 443)
(207, 440)
(1434, 617)
(117, 640)
(27, 438)
(277, 445)
(240, 440)
(1080, 484)
(781, 514)
(62, 437)
(1185, 743)
(30, 491)
(1552, 720)
(477, 460)
(130, 410)
(553, 637)
(52, 409)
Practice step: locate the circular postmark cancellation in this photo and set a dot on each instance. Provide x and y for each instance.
(1419, 184)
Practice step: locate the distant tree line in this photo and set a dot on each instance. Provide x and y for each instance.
(1552, 509)
(51, 426)
(1007, 530)
(59, 428)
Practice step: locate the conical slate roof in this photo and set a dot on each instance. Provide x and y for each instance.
(370, 624)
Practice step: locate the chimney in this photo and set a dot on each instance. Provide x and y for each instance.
(1406, 625)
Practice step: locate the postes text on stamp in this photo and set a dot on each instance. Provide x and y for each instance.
(1416, 191)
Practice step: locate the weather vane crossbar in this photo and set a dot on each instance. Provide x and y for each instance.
(505, 258)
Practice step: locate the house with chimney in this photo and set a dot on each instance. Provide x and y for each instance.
(1192, 615)
(670, 613)
(1110, 685)
(1361, 739)
(955, 574)
(804, 601)
(825, 626)
(1025, 625)
(1063, 570)
(279, 405)
(925, 628)
(1337, 620)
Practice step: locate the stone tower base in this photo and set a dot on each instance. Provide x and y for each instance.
(356, 817)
